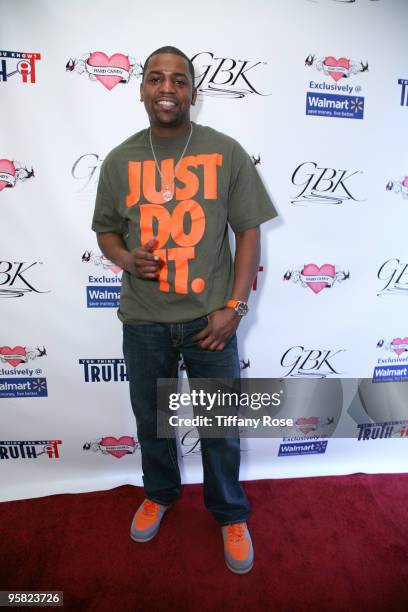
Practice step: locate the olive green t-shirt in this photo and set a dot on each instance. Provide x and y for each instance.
(216, 184)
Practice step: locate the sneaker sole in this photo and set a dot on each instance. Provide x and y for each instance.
(238, 571)
(144, 539)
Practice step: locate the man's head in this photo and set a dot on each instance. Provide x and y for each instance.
(167, 90)
(174, 51)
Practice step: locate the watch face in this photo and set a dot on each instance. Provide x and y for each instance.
(242, 308)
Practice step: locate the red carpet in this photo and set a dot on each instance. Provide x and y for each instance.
(329, 543)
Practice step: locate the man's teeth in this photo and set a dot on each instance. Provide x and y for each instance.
(166, 103)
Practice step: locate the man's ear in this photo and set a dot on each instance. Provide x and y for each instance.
(141, 92)
(194, 96)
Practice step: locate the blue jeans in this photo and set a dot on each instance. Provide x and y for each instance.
(152, 351)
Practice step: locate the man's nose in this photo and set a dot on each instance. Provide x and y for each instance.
(167, 85)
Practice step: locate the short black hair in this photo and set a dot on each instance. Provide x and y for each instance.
(175, 51)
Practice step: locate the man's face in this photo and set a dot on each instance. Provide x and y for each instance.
(167, 91)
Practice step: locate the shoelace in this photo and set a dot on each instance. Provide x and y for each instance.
(150, 507)
(236, 532)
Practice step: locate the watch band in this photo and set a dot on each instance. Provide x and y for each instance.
(240, 307)
(232, 303)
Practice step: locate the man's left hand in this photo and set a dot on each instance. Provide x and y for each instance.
(222, 324)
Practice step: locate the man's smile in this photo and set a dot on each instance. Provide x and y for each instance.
(165, 103)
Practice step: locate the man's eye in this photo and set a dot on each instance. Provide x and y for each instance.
(154, 79)
(180, 82)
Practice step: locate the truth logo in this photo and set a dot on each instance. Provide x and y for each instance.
(225, 77)
(323, 185)
(29, 449)
(104, 370)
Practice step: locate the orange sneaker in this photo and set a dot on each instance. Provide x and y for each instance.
(146, 521)
(238, 549)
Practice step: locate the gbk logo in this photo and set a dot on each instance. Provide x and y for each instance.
(85, 171)
(395, 275)
(301, 362)
(12, 172)
(321, 185)
(224, 77)
(16, 278)
(404, 91)
(315, 278)
(109, 71)
(399, 186)
(19, 64)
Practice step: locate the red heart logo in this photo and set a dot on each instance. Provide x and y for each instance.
(100, 59)
(6, 166)
(313, 270)
(405, 181)
(303, 422)
(399, 341)
(10, 352)
(332, 62)
(111, 441)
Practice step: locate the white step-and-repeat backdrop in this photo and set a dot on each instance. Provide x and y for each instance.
(317, 93)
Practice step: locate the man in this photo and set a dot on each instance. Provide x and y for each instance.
(165, 197)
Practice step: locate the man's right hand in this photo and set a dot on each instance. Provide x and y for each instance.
(141, 261)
